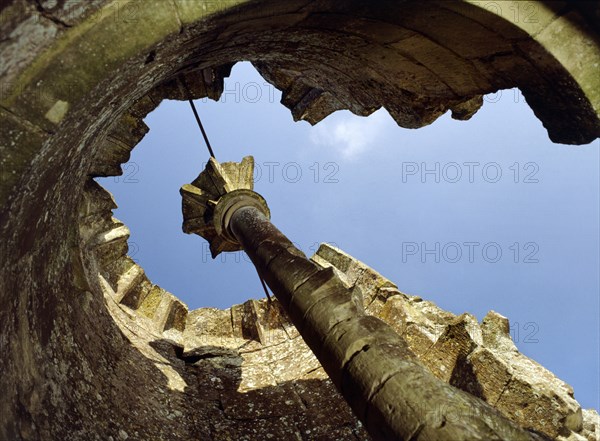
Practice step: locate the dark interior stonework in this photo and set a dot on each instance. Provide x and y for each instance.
(90, 349)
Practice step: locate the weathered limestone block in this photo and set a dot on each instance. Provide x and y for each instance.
(495, 331)
(95, 200)
(454, 345)
(434, 57)
(111, 245)
(112, 270)
(136, 293)
(465, 110)
(572, 437)
(528, 391)
(415, 320)
(434, 23)
(201, 83)
(143, 106)
(591, 424)
(127, 281)
(116, 148)
(261, 322)
(306, 101)
(210, 331)
(380, 299)
(418, 321)
(176, 316)
(574, 51)
(271, 355)
(315, 106)
(482, 375)
(327, 256)
(536, 398)
(297, 362)
(481, 358)
(356, 274)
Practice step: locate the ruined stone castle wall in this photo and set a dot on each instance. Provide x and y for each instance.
(91, 349)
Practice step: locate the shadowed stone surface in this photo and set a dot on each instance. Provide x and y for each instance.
(91, 349)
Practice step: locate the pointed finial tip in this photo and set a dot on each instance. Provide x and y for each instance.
(207, 202)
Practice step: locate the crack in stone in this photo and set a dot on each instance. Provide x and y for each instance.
(51, 17)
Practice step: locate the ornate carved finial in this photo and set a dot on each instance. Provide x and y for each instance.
(210, 200)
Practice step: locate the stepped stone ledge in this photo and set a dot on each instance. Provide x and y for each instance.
(258, 339)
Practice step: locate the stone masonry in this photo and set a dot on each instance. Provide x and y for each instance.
(91, 349)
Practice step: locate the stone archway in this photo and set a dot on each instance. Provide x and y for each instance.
(76, 83)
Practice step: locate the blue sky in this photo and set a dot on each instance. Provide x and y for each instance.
(477, 215)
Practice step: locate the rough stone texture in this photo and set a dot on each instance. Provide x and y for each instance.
(249, 375)
(91, 349)
(478, 358)
(203, 201)
(367, 361)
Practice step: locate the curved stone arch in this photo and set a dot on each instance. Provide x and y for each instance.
(94, 67)
(435, 67)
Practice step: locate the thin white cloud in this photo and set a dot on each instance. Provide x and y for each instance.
(349, 134)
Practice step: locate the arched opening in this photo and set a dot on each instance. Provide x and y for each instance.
(88, 91)
(464, 214)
